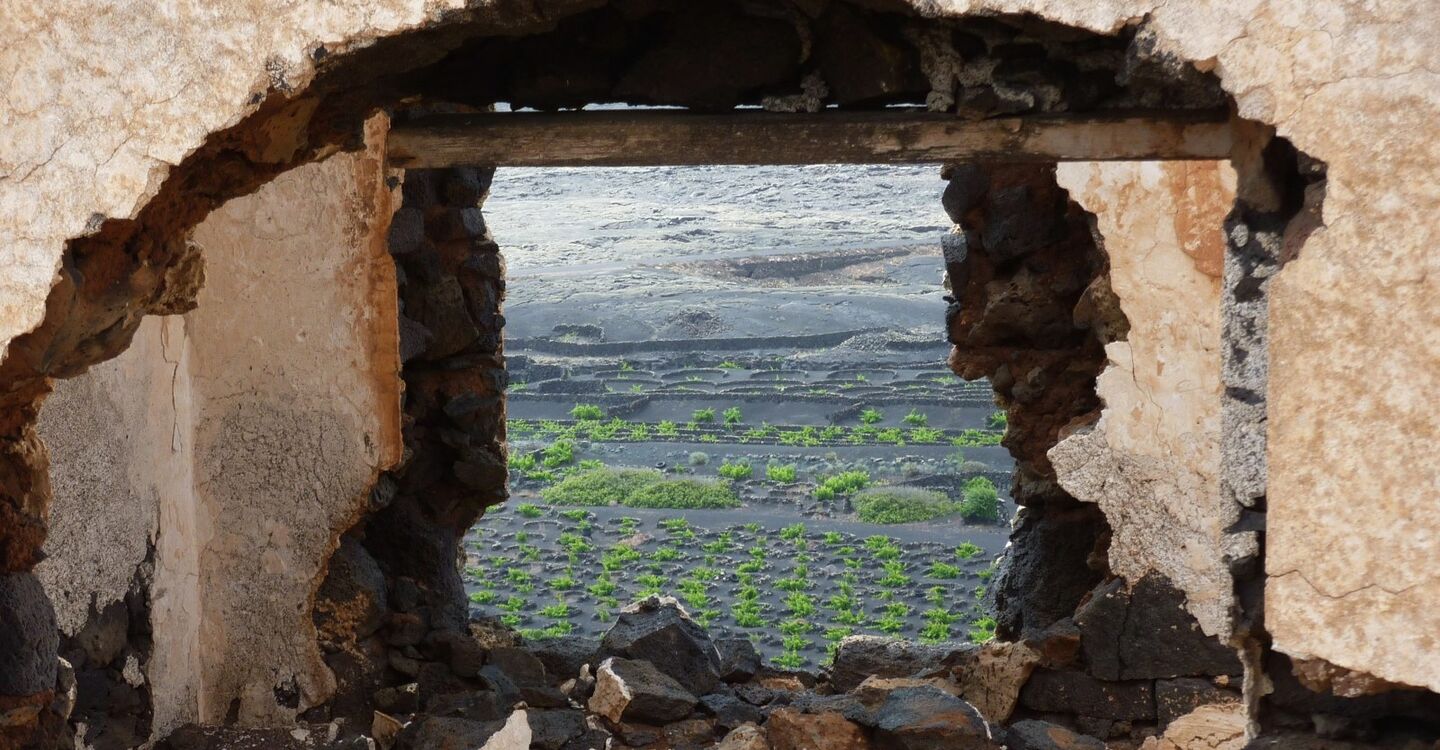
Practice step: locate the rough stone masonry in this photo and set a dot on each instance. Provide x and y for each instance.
(1290, 516)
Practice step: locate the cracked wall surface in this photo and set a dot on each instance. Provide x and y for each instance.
(102, 102)
(1152, 462)
(249, 433)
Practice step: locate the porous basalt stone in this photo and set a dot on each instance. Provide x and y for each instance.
(1078, 693)
(660, 631)
(1144, 632)
(788, 729)
(627, 690)
(28, 639)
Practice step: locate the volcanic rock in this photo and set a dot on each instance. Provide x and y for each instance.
(1031, 734)
(627, 690)
(1145, 632)
(788, 729)
(928, 718)
(659, 631)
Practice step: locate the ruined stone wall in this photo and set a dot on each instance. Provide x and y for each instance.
(237, 442)
(1152, 460)
(103, 103)
(392, 609)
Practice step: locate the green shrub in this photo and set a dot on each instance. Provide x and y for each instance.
(783, 474)
(901, 505)
(842, 484)
(523, 462)
(916, 419)
(587, 411)
(703, 415)
(668, 429)
(740, 470)
(967, 550)
(731, 415)
(665, 553)
(982, 630)
(871, 416)
(982, 502)
(560, 453)
(998, 420)
(699, 458)
(944, 571)
(926, 435)
(599, 487)
(529, 510)
(684, 493)
(728, 365)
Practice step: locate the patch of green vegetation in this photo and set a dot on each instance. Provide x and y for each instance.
(637, 388)
(981, 502)
(967, 550)
(982, 630)
(618, 557)
(600, 487)
(728, 365)
(894, 577)
(731, 415)
(559, 453)
(684, 493)
(667, 429)
(926, 435)
(882, 547)
(871, 415)
(522, 462)
(626, 366)
(738, 470)
(976, 438)
(484, 597)
(587, 411)
(665, 553)
(843, 483)
(574, 543)
(557, 611)
(577, 514)
(915, 419)
(517, 387)
(638, 432)
(529, 510)
(782, 474)
(901, 505)
(705, 415)
(944, 571)
(891, 435)
(998, 420)
(833, 538)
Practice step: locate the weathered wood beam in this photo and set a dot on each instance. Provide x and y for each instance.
(616, 138)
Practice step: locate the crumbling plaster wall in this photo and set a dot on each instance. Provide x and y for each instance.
(1152, 462)
(295, 363)
(102, 101)
(111, 436)
(249, 433)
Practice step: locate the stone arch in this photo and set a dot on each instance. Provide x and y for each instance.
(125, 268)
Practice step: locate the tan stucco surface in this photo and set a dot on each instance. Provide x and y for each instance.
(249, 432)
(102, 99)
(296, 411)
(111, 436)
(1152, 462)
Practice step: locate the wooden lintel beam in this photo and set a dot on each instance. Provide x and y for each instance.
(615, 138)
